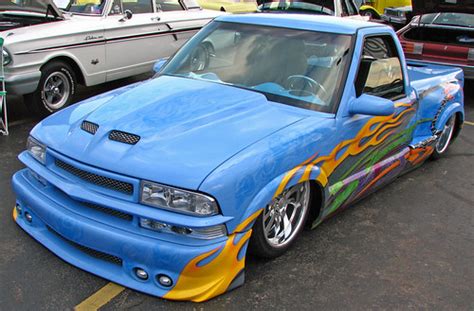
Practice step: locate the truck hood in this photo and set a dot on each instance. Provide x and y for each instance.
(440, 6)
(187, 128)
(46, 7)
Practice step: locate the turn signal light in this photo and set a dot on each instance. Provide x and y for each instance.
(413, 48)
(470, 55)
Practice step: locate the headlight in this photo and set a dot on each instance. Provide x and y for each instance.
(177, 200)
(6, 57)
(401, 13)
(36, 149)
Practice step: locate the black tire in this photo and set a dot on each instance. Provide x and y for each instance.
(39, 102)
(443, 142)
(370, 13)
(259, 244)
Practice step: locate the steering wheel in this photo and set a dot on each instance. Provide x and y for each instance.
(293, 85)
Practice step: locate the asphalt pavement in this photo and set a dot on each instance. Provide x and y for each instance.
(408, 246)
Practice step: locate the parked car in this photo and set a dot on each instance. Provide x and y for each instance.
(324, 7)
(397, 16)
(47, 51)
(442, 37)
(375, 8)
(161, 185)
(232, 6)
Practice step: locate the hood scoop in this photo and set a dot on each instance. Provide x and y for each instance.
(124, 137)
(89, 127)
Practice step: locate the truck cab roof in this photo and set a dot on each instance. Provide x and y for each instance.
(303, 21)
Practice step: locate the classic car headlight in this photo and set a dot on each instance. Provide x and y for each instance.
(6, 58)
(401, 14)
(177, 200)
(36, 149)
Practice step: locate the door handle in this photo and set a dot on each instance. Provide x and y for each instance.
(155, 19)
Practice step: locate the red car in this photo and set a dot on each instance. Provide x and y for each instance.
(443, 33)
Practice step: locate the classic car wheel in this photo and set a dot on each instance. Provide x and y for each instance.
(444, 138)
(200, 58)
(55, 89)
(281, 221)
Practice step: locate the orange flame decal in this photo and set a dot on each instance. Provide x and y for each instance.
(369, 135)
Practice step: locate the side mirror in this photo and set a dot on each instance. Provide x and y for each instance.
(126, 15)
(159, 64)
(371, 105)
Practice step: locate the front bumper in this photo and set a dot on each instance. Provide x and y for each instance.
(22, 83)
(199, 272)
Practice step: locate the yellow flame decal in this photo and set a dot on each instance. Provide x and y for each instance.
(200, 283)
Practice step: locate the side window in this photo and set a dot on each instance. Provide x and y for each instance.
(138, 6)
(168, 5)
(380, 71)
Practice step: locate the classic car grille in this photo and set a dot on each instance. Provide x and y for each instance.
(123, 137)
(99, 180)
(108, 211)
(89, 251)
(89, 127)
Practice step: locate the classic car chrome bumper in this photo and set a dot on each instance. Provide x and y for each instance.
(22, 83)
(402, 20)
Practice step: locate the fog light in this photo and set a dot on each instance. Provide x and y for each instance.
(164, 280)
(18, 209)
(205, 233)
(28, 217)
(141, 274)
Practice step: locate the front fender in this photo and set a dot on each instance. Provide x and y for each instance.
(301, 173)
(368, 7)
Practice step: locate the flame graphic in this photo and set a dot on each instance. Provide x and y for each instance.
(418, 155)
(200, 283)
(369, 135)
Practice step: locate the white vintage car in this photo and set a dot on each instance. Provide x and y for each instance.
(48, 51)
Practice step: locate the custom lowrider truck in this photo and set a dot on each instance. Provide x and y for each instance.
(48, 51)
(162, 185)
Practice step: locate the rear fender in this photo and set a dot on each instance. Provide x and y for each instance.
(447, 113)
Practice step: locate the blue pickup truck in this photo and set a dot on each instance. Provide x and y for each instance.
(258, 127)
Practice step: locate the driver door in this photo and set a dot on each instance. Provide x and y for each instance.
(131, 43)
(373, 148)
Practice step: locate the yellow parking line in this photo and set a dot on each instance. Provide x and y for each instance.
(469, 123)
(100, 298)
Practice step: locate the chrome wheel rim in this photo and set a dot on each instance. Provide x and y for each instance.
(284, 216)
(56, 90)
(445, 136)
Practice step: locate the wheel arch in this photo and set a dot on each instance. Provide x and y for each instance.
(453, 109)
(317, 179)
(80, 77)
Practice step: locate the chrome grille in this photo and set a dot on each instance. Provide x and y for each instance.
(108, 211)
(89, 127)
(89, 251)
(124, 137)
(95, 179)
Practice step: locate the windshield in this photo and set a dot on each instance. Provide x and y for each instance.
(89, 7)
(449, 19)
(38, 6)
(293, 67)
(317, 6)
